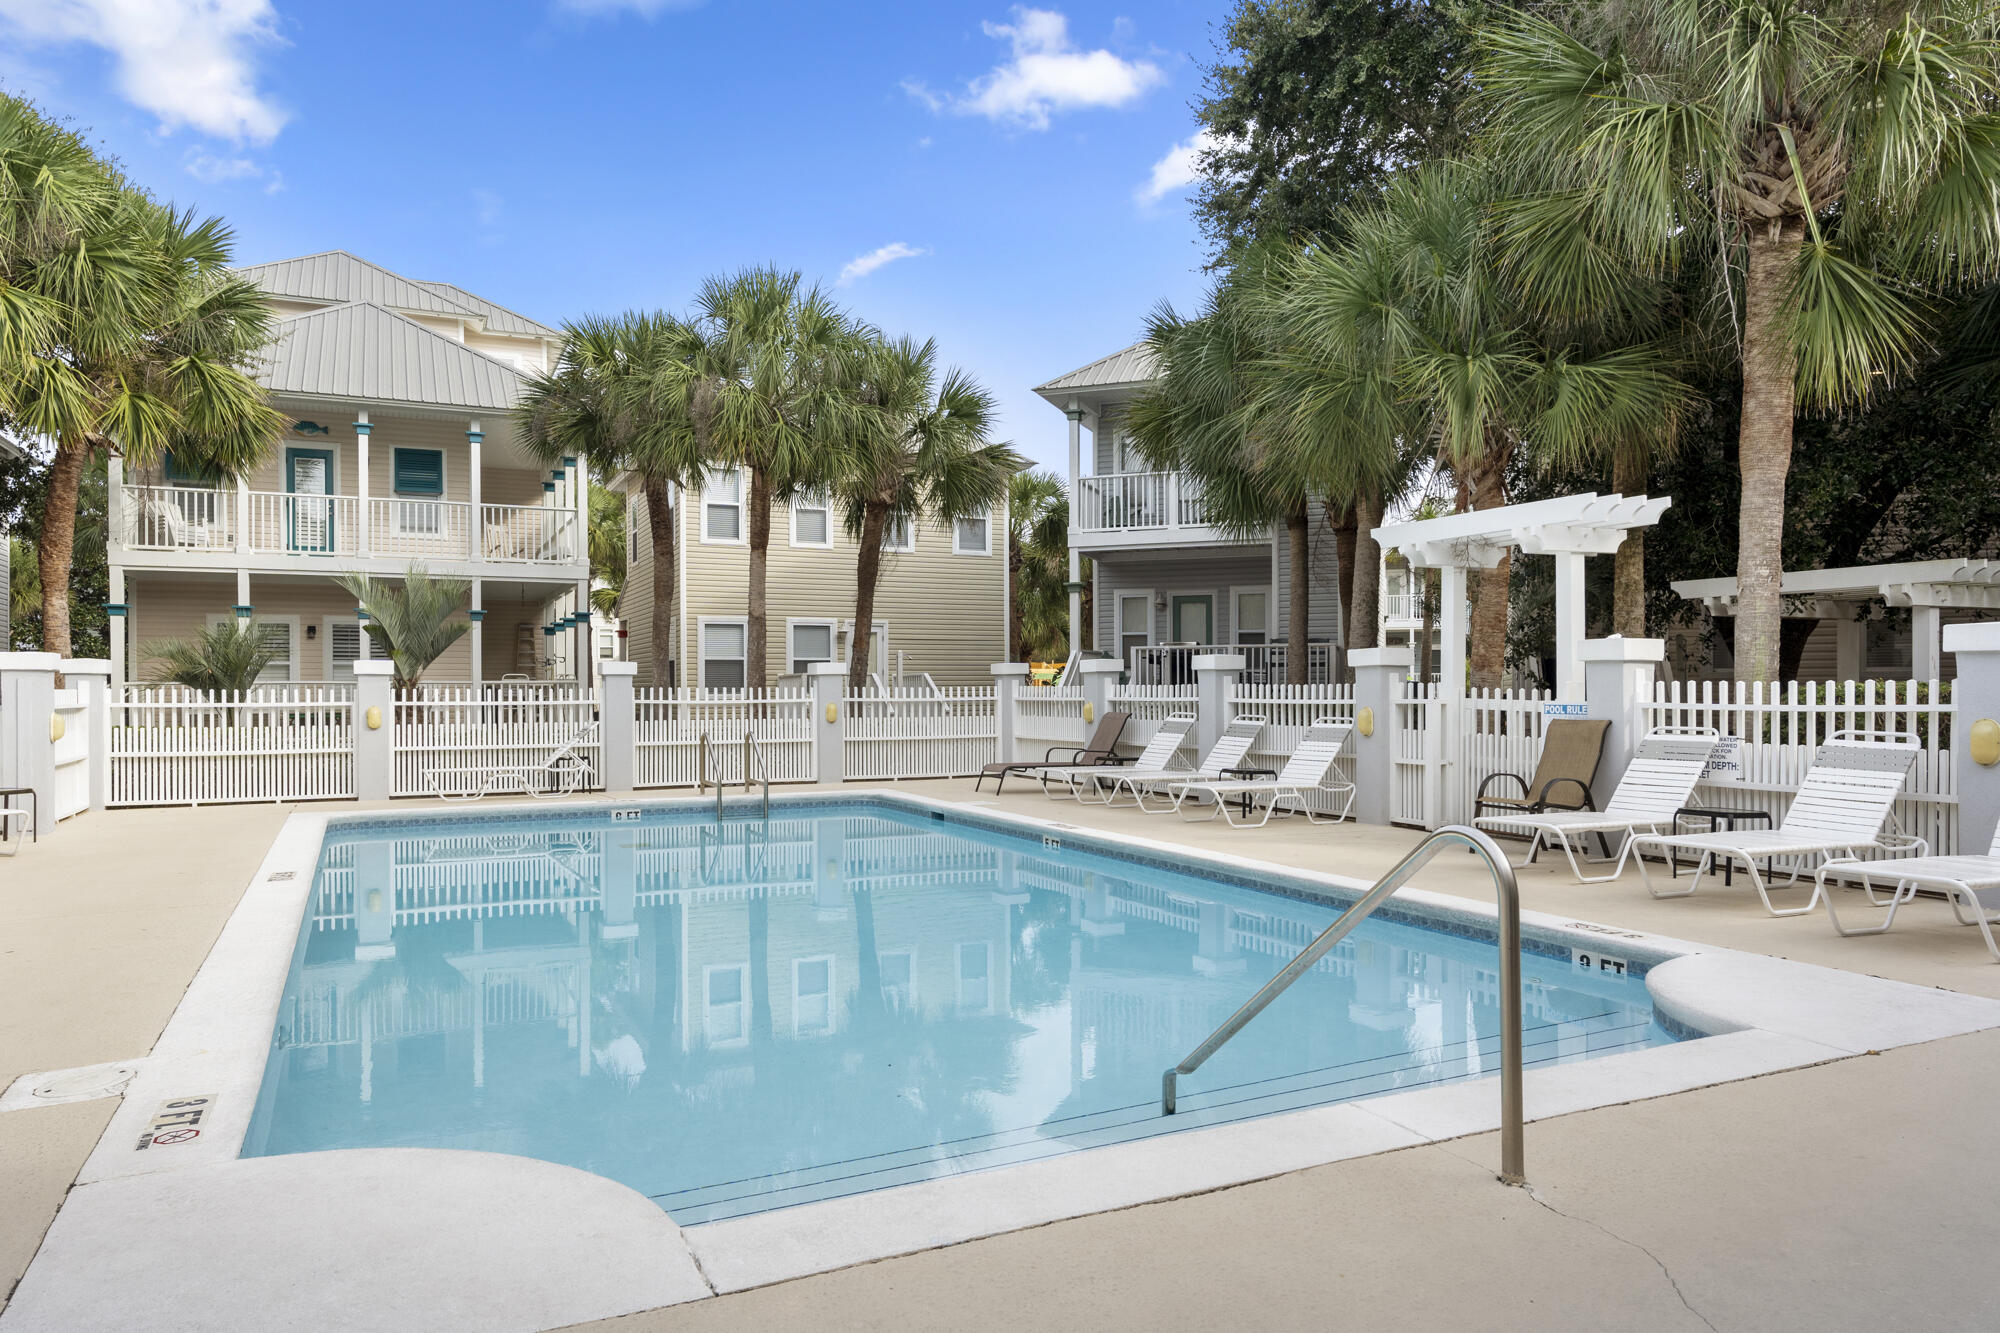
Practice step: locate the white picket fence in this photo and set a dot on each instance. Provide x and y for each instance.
(170, 745)
(914, 733)
(1046, 715)
(670, 723)
(1777, 728)
(1416, 758)
(448, 737)
(1288, 710)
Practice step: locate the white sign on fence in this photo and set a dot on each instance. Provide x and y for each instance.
(1725, 763)
(1553, 709)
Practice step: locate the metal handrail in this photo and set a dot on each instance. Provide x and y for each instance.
(753, 748)
(1363, 908)
(704, 764)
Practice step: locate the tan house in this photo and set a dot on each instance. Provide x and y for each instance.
(399, 451)
(940, 604)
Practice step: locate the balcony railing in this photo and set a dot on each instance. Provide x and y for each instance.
(188, 518)
(1263, 663)
(1135, 501)
(1402, 606)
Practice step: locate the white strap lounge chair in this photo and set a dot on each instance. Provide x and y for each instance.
(1841, 807)
(1076, 779)
(1657, 782)
(1971, 883)
(562, 773)
(1222, 759)
(1303, 774)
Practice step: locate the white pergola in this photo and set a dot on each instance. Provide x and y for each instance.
(1570, 528)
(1926, 587)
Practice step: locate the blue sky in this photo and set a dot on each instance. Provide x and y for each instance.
(1010, 173)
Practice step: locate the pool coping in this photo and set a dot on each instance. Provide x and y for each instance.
(1765, 1015)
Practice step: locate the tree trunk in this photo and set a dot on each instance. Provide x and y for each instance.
(1298, 596)
(1628, 566)
(660, 524)
(58, 542)
(1488, 652)
(1364, 610)
(867, 569)
(1341, 521)
(1017, 651)
(1763, 453)
(1426, 590)
(756, 666)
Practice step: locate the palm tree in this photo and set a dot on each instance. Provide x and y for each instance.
(618, 399)
(1038, 566)
(605, 541)
(227, 658)
(121, 329)
(1832, 164)
(410, 623)
(916, 449)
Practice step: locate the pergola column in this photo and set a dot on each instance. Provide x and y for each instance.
(1569, 624)
(1926, 642)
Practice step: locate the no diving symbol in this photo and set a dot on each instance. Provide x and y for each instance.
(175, 1135)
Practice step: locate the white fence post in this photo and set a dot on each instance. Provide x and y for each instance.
(1215, 677)
(1378, 684)
(1100, 678)
(27, 714)
(617, 727)
(1007, 680)
(1617, 686)
(1976, 696)
(374, 730)
(92, 675)
(827, 682)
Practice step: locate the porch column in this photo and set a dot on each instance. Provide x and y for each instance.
(476, 525)
(478, 635)
(579, 480)
(1926, 642)
(117, 609)
(1850, 642)
(361, 432)
(1569, 624)
(242, 514)
(1075, 415)
(114, 499)
(585, 649)
(243, 608)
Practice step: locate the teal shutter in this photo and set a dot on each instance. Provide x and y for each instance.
(419, 472)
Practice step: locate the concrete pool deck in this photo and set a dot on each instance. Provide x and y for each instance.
(1761, 1199)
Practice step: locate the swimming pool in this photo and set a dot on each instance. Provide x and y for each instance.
(854, 994)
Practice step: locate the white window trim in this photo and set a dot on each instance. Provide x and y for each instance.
(701, 646)
(326, 624)
(956, 549)
(910, 1002)
(909, 526)
(823, 503)
(745, 1003)
(832, 996)
(958, 975)
(742, 537)
(1236, 613)
(298, 644)
(793, 625)
(1118, 630)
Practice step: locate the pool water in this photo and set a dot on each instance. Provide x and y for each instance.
(737, 1017)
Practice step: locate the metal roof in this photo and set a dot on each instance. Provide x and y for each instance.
(498, 317)
(337, 276)
(1134, 365)
(362, 350)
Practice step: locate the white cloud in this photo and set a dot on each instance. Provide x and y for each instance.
(1046, 74)
(1181, 166)
(645, 9)
(190, 62)
(861, 266)
(211, 169)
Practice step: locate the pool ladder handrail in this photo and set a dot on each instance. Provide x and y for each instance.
(754, 749)
(706, 769)
(1511, 1171)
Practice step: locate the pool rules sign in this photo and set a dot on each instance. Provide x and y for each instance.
(177, 1121)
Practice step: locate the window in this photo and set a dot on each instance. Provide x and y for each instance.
(725, 1019)
(187, 474)
(971, 536)
(808, 641)
(1135, 622)
(812, 521)
(346, 644)
(723, 644)
(722, 507)
(975, 981)
(279, 635)
(900, 534)
(898, 971)
(1253, 616)
(812, 995)
(418, 472)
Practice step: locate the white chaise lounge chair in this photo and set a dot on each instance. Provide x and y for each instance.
(1971, 883)
(1076, 780)
(1658, 781)
(1841, 807)
(562, 773)
(1222, 759)
(1303, 774)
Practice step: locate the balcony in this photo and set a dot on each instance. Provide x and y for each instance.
(1402, 609)
(280, 523)
(1263, 663)
(1141, 509)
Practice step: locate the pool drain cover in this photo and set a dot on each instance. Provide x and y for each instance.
(56, 1087)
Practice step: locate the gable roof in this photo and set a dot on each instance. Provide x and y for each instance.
(336, 276)
(498, 317)
(1134, 365)
(362, 350)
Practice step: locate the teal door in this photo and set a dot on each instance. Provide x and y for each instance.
(309, 510)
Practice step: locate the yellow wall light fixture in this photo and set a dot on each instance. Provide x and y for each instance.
(832, 714)
(1985, 742)
(374, 718)
(56, 727)
(1364, 722)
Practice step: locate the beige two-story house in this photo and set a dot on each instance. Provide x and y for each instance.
(940, 603)
(399, 450)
